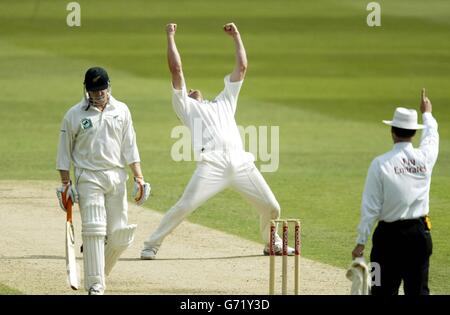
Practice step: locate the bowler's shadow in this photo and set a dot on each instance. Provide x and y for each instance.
(55, 257)
(196, 258)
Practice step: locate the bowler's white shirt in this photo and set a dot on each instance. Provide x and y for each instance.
(398, 182)
(97, 140)
(212, 123)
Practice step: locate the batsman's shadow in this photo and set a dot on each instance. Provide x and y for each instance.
(33, 257)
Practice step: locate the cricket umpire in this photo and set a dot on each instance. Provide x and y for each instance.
(98, 137)
(396, 194)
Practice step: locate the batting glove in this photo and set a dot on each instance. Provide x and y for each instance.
(141, 190)
(65, 192)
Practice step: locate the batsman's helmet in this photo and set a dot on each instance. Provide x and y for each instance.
(96, 79)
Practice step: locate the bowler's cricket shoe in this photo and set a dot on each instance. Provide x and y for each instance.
(148, 253)
(278, 251)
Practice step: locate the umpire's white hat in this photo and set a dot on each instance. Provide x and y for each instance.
(405, 119)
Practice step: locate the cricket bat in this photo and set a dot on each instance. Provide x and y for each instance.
(71, 263)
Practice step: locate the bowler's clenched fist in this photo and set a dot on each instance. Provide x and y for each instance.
(230, 29)
(171, 28)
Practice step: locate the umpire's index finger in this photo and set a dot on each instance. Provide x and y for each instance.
(423, 94)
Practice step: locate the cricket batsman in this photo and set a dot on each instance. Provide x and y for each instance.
(98, 138)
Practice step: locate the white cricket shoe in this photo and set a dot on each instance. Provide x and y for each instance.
(96, 289)
(148, 253)
(278, 250)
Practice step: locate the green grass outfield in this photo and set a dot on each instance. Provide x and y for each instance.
(5, 290)
(316, 70)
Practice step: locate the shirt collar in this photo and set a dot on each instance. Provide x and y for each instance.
(402, 145)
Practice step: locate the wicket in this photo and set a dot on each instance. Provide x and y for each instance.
(273, 231)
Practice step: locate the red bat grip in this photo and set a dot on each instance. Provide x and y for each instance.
(69, 210)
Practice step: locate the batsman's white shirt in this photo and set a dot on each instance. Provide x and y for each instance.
(212, 124)
(96, 140)
(398, 182)
(100, 144)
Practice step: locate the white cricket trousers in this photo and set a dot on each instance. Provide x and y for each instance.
(103, 207)
(211, 178)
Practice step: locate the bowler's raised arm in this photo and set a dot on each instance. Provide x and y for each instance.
(173, 57)
(240, 68)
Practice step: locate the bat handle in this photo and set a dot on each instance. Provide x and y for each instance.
(69, 210)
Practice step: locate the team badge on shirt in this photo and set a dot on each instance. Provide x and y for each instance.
(86, 123)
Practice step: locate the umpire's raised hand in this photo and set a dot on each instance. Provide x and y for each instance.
(425, 104)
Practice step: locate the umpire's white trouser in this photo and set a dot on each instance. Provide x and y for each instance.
(103, 207)
(209, 179)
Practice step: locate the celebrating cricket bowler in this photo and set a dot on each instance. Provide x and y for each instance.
(223, 163)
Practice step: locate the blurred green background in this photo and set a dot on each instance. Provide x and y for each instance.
(316, 70)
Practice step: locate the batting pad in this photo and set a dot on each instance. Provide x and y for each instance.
(117, 243)
(93, 233)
